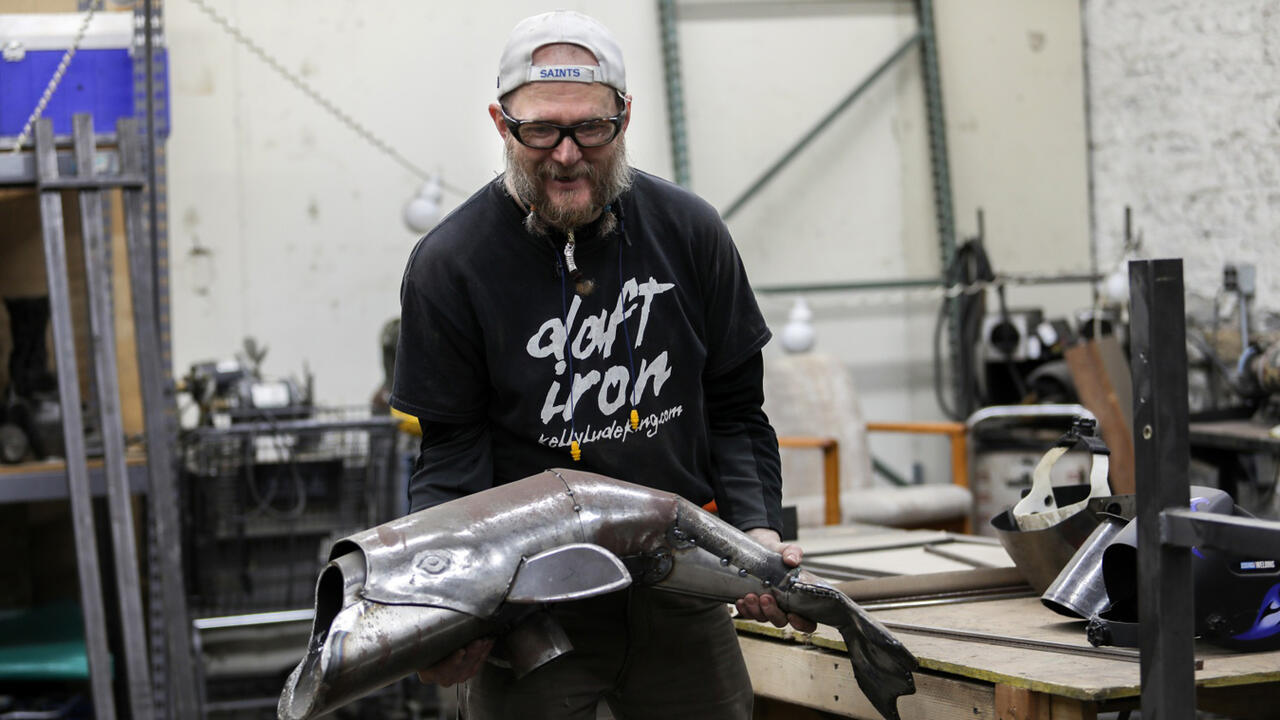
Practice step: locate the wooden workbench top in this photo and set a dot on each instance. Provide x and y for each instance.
(1069, 675)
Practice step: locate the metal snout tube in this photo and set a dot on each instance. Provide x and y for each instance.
(358, 646)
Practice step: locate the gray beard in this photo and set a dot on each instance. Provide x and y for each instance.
(606, 184)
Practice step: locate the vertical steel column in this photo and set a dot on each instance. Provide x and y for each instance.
(151, 107)
(675, 90)
(942, 201)
(182, 697)
(102, 351)
(1161, 456)
(78, 491)
(172, 652)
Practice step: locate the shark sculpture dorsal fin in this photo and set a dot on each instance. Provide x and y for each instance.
(568, 572)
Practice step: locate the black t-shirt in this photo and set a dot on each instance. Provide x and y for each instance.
(484, 307)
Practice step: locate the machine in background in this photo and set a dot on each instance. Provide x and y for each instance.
(234, 391)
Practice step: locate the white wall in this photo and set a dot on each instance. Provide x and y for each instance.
(1185, 125)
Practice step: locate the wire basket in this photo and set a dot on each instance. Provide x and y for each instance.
(263, 501)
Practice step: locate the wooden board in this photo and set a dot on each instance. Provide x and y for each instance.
(39, 6)
(1089, 374)
(821, 679)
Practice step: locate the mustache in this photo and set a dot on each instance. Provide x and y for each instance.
(550, 169)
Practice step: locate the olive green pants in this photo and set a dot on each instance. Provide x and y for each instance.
(647, 653)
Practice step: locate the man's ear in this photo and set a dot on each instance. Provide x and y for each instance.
(627, 120)
(495, 112)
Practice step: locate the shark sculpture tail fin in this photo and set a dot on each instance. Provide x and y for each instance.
(883, 672)
(882, 666)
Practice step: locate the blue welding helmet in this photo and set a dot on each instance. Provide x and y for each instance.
(1237, 597)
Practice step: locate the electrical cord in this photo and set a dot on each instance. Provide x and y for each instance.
(970, 269)
(264, 505)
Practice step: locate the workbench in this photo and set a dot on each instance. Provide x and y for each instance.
(976, 679)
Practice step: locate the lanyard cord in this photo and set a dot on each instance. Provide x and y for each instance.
(626, 333)
(575, 448)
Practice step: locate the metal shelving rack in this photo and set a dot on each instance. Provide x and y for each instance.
(161, 682)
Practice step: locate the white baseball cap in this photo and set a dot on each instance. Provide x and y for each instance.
(560, 26)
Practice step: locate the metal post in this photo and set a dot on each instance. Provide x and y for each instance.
(175, 680)
(183, 700)
(1161, 457)
(675, 90)
(97, 271)
(150, 108)
(55, 268)
(942, 201)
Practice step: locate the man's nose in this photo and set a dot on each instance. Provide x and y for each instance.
(567, 152)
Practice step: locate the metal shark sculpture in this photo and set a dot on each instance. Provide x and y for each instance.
(402, 596)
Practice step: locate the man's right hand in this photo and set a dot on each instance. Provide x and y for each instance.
(460, 666)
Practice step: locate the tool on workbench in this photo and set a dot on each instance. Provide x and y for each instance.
(1042, 542)
(1039, 509)
(1237, 597)
(1079, 590)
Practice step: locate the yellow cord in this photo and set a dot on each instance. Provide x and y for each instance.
(575, 451)
(635, 419)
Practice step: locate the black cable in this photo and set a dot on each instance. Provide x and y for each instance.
(947, 409)
(968, 267)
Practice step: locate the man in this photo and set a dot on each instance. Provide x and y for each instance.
(576, 312)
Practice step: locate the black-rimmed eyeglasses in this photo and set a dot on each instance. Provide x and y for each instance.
(543, 135)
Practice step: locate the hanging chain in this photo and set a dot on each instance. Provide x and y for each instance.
(324, 102)
(52, 87)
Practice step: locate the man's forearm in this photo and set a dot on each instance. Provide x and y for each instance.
(744, 448)
(454, 460)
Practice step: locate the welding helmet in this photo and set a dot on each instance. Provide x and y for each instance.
(1237, 597)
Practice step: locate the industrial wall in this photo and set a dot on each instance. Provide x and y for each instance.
(1184, 103)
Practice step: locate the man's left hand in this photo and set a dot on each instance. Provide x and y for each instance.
(764, 607)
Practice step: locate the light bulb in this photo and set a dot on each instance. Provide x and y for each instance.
(798, 334)
(422, 212)
(1115, 287)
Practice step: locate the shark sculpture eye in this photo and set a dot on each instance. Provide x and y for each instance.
(433, 563)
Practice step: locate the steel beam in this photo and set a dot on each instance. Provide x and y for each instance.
(181, 696)
(911, 283)
(55, 268)
(1185, 528)
(675, 91)
(106, 375)
(1162, 455)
